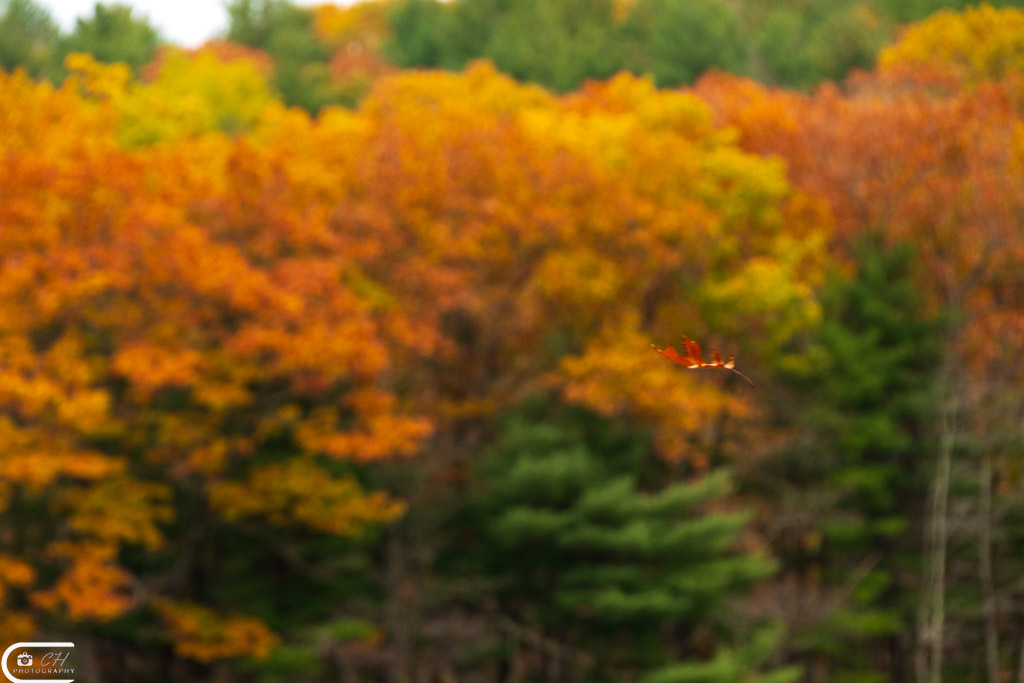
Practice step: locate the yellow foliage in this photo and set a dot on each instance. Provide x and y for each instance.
(349, 286)
(980, 43)
(189, 94)
(56, 125)
(36, 469)
(785, 303)
(365, 23)
(377, 435)
(35, 464)
(433, 98)
(301, 492)
(121, 511)
(614, 378)
(578, 279)
(14, 625)
(95, 80)
(234, 92)
(198, 633)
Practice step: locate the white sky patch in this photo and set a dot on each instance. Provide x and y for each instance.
(186, 22)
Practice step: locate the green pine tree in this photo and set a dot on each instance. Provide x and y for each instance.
(857, 473)
(589, 543)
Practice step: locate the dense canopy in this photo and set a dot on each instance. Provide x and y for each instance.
(318, 366)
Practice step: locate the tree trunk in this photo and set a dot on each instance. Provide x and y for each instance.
(398, 616)
(932, 611)
(988, 605)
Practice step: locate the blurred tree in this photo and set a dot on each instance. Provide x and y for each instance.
(979, 44)
(846, 39)
(28, 38)
(113, 34)
(420, 36)
(167, 391)
(557, 44)
(781, 48)
(619, 574)
(854, 480)
(938, 165)
(683, 38)
(357, 35)
(484, 190)
(562, 42)
(288, 34)
(216, 88)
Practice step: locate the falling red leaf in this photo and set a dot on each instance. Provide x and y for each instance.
(694, 359)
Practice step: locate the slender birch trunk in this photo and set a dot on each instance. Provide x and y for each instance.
(988, 605)
(932, 611)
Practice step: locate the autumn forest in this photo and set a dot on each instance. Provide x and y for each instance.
(326, 347)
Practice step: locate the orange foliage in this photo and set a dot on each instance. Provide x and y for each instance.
(348, 286)
(151, 334)
(198, 633)
(929, 164)
(15, 624)
(357, 33)
(92, 586)
(615, 379)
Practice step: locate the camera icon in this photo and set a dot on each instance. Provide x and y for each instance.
(24, 659)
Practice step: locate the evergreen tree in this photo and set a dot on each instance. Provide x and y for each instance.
(590, 544)
(857, 473)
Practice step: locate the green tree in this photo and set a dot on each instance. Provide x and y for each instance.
(847, 39)
(28, 38)
(420, 39)
(114, 34)
(593, 548)
(856, 472)
(781, 42)
(680, 39)
(557, 44)
(286, 32)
